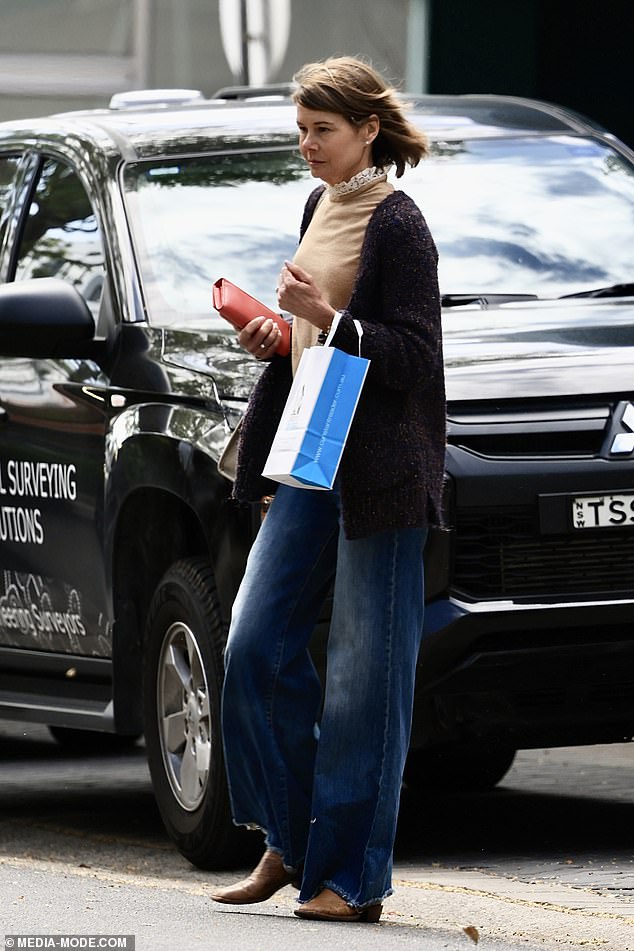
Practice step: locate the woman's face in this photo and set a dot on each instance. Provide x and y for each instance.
(334, 148)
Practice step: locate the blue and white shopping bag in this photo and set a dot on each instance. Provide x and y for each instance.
(312, 433)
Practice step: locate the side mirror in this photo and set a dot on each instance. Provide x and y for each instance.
(44, 317)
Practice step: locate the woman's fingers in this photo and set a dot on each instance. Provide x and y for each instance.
(298, 272)
(261, 337)
(296, 290)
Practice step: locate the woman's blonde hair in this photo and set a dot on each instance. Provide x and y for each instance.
(355, 90)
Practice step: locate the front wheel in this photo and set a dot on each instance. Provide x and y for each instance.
(183, 674)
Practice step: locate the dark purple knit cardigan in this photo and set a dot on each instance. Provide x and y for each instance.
(392, 468)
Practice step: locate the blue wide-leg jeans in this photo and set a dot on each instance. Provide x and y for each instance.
(321, 775)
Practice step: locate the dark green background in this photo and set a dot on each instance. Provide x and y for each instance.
(574, 52)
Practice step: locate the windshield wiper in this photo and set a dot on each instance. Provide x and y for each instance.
(461, 300)
(614, 290)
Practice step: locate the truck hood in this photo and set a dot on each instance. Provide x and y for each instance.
(510, 351)
(572, 347)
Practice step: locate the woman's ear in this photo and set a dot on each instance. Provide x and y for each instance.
(372, 127)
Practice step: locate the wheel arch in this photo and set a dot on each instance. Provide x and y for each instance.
(165, 501)
(154, 529)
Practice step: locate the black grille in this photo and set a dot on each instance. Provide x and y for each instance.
(501, 554)
(525, 429)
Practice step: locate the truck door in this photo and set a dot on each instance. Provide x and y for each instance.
(52, 583)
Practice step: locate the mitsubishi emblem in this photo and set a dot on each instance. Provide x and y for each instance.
(623, 443)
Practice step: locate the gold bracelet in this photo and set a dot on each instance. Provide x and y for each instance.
(323, 334)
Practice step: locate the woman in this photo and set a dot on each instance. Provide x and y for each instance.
(323, 782)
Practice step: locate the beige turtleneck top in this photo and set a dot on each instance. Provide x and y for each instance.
(331, 247)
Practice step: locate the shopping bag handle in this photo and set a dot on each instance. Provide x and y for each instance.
(335, 324)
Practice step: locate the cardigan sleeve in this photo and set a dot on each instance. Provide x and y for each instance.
(397, 300)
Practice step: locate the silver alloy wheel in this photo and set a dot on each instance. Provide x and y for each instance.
(183, 714)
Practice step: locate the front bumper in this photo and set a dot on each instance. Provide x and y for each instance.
(525, 675)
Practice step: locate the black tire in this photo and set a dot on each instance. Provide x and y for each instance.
(90, 742)
(457, 770)
(183, 671)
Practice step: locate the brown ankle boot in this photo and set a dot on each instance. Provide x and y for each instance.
(328, 906)
(265, 879)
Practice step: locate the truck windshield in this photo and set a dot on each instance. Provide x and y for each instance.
(535, 215)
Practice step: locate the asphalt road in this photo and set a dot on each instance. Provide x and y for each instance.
(545, 861)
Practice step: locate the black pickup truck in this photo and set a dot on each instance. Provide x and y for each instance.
(120, 549)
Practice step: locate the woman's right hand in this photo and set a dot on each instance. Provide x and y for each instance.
(261, 337)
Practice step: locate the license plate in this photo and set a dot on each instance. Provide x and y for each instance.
(603, 511)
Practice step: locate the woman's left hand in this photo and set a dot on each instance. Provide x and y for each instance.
(298, 294)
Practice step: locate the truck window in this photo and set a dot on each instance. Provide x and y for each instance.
(8, 169)
(61, 237)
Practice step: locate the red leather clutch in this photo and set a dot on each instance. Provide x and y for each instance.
(238, 307)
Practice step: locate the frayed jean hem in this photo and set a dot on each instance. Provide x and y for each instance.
(254, 827)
